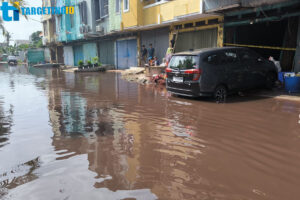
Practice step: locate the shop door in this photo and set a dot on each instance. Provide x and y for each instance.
(78, 54)
(106, 52)
(68, 55)
(159, 38)
(60, 54)
(126, 54)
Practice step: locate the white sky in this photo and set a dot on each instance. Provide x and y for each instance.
(25, 27)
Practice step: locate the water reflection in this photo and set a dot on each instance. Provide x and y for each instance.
(6, 123)
(97, 136)
(134, 137)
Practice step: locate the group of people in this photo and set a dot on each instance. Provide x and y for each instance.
(148, 55)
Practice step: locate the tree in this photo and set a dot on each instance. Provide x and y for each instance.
(36, 39)
(23, 46)
(7, 36)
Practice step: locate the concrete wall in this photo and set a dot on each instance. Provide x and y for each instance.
(47, 55)
(68, 33)
(114, 18)
(131, 17)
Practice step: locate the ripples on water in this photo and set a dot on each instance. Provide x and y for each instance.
(95, 136)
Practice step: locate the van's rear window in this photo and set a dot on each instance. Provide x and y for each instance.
(183, 62)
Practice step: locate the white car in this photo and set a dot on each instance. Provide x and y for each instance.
(12, 60)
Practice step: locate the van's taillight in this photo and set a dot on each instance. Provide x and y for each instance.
(168, 70)
(195, 72)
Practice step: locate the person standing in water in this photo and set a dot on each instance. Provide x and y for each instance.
(169, 53)
(151, 52)
(144, 54)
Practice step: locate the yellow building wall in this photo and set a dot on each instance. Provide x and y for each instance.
(150, 15)
(140, 16)
(168, 11)
(132, 17)
(178, 8)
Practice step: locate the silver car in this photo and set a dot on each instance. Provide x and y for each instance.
(12, 60)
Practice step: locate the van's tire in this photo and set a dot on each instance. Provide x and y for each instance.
(270, 80)
(220, 94)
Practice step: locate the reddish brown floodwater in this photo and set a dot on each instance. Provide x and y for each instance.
(95, 136)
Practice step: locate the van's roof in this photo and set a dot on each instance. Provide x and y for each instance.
(206, 50)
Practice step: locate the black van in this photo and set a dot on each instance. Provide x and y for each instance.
(218, 72)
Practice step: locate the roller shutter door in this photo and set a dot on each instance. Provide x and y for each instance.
(106, 52)
(126, 54)
(78, 54)
(159, 38)
(196, 40)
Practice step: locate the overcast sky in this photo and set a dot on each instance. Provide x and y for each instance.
(25, 27)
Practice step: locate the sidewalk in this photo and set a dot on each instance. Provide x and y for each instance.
(279, 93)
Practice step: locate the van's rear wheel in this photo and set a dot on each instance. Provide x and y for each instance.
(220, 94)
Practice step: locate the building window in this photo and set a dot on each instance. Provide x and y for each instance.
(101, 9)
(117, 6)
(83, 12)
(125, 5)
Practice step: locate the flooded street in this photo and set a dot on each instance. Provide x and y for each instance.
(96, 136)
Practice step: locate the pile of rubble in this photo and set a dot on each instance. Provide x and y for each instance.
(136, 74)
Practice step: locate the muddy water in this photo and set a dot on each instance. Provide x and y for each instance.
(95, 136)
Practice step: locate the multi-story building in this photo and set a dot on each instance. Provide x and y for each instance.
(115, 30)
(183, 23)
(49, 38)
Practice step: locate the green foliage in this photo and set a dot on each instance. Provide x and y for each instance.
(39, 44)
(23, 46)
(80, 63)
(36, 39)
(89, 62)
(35, 36)
(95, 60)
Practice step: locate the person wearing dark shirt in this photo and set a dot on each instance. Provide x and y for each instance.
(144, 54)
(151, 52)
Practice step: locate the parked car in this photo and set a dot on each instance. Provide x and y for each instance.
(12, 60)
(218, 72)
